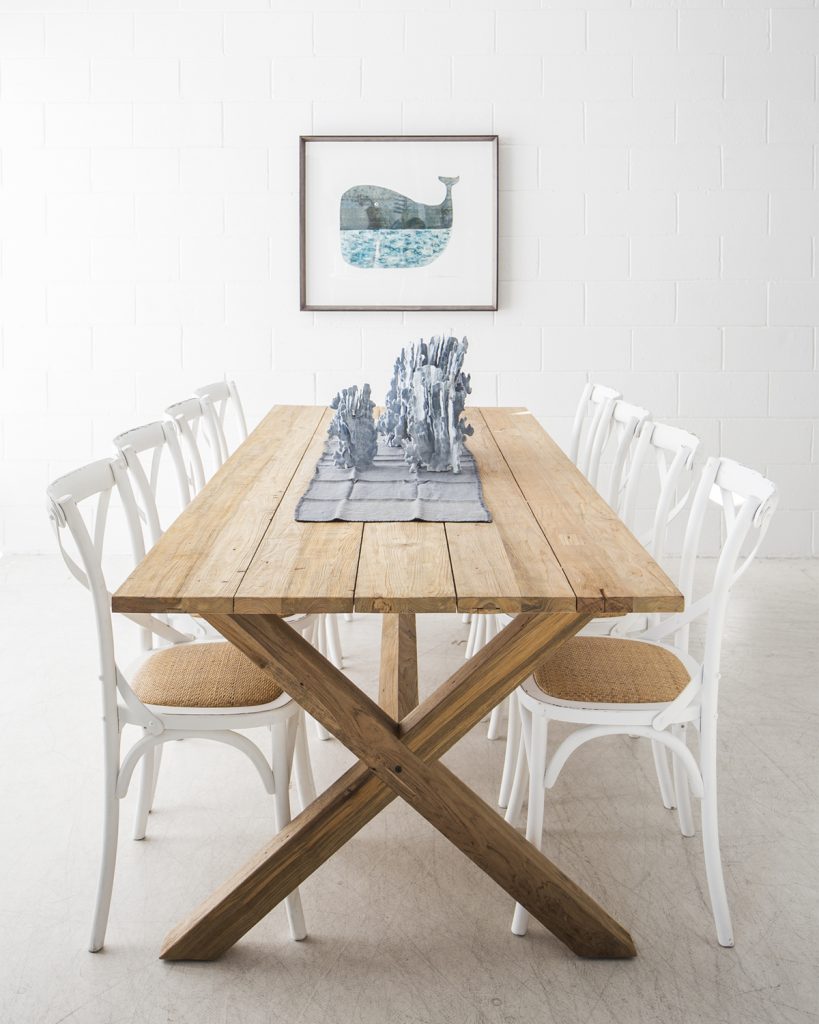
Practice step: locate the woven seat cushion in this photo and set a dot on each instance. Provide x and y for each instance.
(599, 670)
(208, 675)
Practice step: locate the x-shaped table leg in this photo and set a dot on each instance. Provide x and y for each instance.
(398, 759)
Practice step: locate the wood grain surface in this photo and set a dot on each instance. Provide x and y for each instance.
(553, 543)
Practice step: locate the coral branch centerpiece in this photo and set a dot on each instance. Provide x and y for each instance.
(423, 410)
(354, 428)
(413, 464)
(425, 404)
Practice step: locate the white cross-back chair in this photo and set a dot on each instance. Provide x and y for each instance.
(223, 396)
(593, 414)
(650, 687)
(200, 433)
(612, 420)
(142, 450)
(590, 431)
(182, 689)
(673, 452)
(146, 450)
(205, 450)
(620, 436)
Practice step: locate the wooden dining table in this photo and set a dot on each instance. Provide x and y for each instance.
(554, 556)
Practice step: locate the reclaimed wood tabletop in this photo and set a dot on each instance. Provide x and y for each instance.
(553, 543)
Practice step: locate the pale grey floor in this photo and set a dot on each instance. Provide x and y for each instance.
(403, 928)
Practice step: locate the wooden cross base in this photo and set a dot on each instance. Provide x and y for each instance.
(398, 758)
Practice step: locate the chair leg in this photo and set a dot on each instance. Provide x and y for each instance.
(295, 914)
(146, 791)
(681, 791)
(157, 765)
(302, 767)
(320, 731)
(319, 635)
(537, 799)
(110, 835)
(710, 842)
(490, 630)
(319, 641)
(466, 617)
(333, 640)
(519, 782)
(510, 756)
(480, 635)
(663, 775)
(474, 627)
(493, 732)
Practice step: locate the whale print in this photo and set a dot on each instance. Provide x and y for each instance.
(383, 228)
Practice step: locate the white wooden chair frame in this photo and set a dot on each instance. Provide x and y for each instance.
(154, 438)
(608, 413)
(195, 418)
(150, 442)
(593, 413)
(748, 501)
(159, 725)
(674, 453)
(624, 426)
(223, 395)
(186, 417)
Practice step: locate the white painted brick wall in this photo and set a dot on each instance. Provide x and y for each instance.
(658, 213)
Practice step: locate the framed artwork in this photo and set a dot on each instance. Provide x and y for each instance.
(398, 222)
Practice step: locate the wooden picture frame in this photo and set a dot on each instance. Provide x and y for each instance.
(375, 234)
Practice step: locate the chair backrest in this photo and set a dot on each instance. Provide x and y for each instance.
(84, 494)
(223, 395)
(620, 429)
(199, 430)
(142, 449)
(593, 411)
(746, 502)
(674, 454)
(78, 506)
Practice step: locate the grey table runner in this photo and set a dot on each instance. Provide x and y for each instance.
(389, 491)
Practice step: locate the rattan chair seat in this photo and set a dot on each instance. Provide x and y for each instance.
(203, 675)
(603, 670)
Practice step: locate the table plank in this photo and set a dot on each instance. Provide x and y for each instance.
(404, 567)
(607, 567)
(302, 567)
(506, 565)
(201, 558)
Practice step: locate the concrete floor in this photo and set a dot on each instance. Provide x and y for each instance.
(403, 929)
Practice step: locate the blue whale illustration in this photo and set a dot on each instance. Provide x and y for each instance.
(383, 228)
